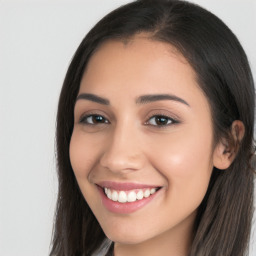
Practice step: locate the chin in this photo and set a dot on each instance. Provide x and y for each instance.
(128, 235)
(127, 239)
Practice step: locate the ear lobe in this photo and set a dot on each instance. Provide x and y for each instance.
(226, 150)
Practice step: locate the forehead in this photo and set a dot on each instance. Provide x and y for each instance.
(141, 45)
(139, 66)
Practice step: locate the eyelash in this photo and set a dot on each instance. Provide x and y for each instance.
(91, 116)
(167, 120)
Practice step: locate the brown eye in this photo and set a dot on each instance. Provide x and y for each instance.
(161, 121)
(94, 120)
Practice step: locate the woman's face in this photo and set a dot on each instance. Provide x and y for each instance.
(143, 135)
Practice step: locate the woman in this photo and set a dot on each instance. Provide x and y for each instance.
(155, 137)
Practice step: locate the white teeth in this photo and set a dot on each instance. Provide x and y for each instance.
(129, 196)
(109, 194)
(139, 195)
(122, 197)
(114, 196)
(147, 193)
(152, 191)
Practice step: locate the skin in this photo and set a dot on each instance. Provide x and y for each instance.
(129, 146)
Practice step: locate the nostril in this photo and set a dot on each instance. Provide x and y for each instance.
(121, 162)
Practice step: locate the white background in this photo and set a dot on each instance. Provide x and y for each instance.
(37, 41)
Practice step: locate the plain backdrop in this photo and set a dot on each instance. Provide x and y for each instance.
(37, 41)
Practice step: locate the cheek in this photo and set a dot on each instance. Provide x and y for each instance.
(186, 163)
(82, 155)
(184, 153)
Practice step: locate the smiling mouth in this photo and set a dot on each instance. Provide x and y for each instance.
(126, 198)
(129, 196)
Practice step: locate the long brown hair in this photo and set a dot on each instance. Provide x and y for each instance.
(223, 222)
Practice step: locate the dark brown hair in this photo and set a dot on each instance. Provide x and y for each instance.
(224, 217)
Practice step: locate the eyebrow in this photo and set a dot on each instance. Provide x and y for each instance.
(93, 97)
(144, 99)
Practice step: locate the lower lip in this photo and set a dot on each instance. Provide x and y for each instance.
(124, 208)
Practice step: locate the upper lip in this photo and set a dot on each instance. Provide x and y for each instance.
(124, 185)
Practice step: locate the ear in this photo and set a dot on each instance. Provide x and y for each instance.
(226, 150)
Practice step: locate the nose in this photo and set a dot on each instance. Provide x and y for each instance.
(123, 152)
